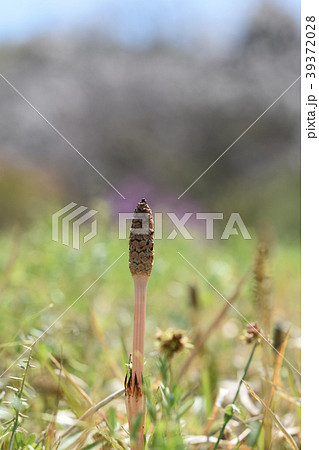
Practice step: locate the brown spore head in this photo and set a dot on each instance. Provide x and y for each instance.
(141, 245)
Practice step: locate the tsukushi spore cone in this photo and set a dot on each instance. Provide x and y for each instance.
(141, 255)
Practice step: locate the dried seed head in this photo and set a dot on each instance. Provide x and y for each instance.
(171, 341)
(252, 333)
(141, 244)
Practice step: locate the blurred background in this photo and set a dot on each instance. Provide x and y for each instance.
(151, 94)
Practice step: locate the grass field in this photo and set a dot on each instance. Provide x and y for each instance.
(82, 358)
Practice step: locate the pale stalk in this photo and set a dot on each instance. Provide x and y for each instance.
(135, 399)
(141, 261)
(140, 284)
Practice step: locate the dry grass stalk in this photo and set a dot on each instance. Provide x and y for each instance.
(263, 298)
(263, 288)
(52, 425)
(69, 377)
(201, 340)
(276, 420)
(114, 368)
(213, 414)
(90, 412)
(278, 364)
(141, 262)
